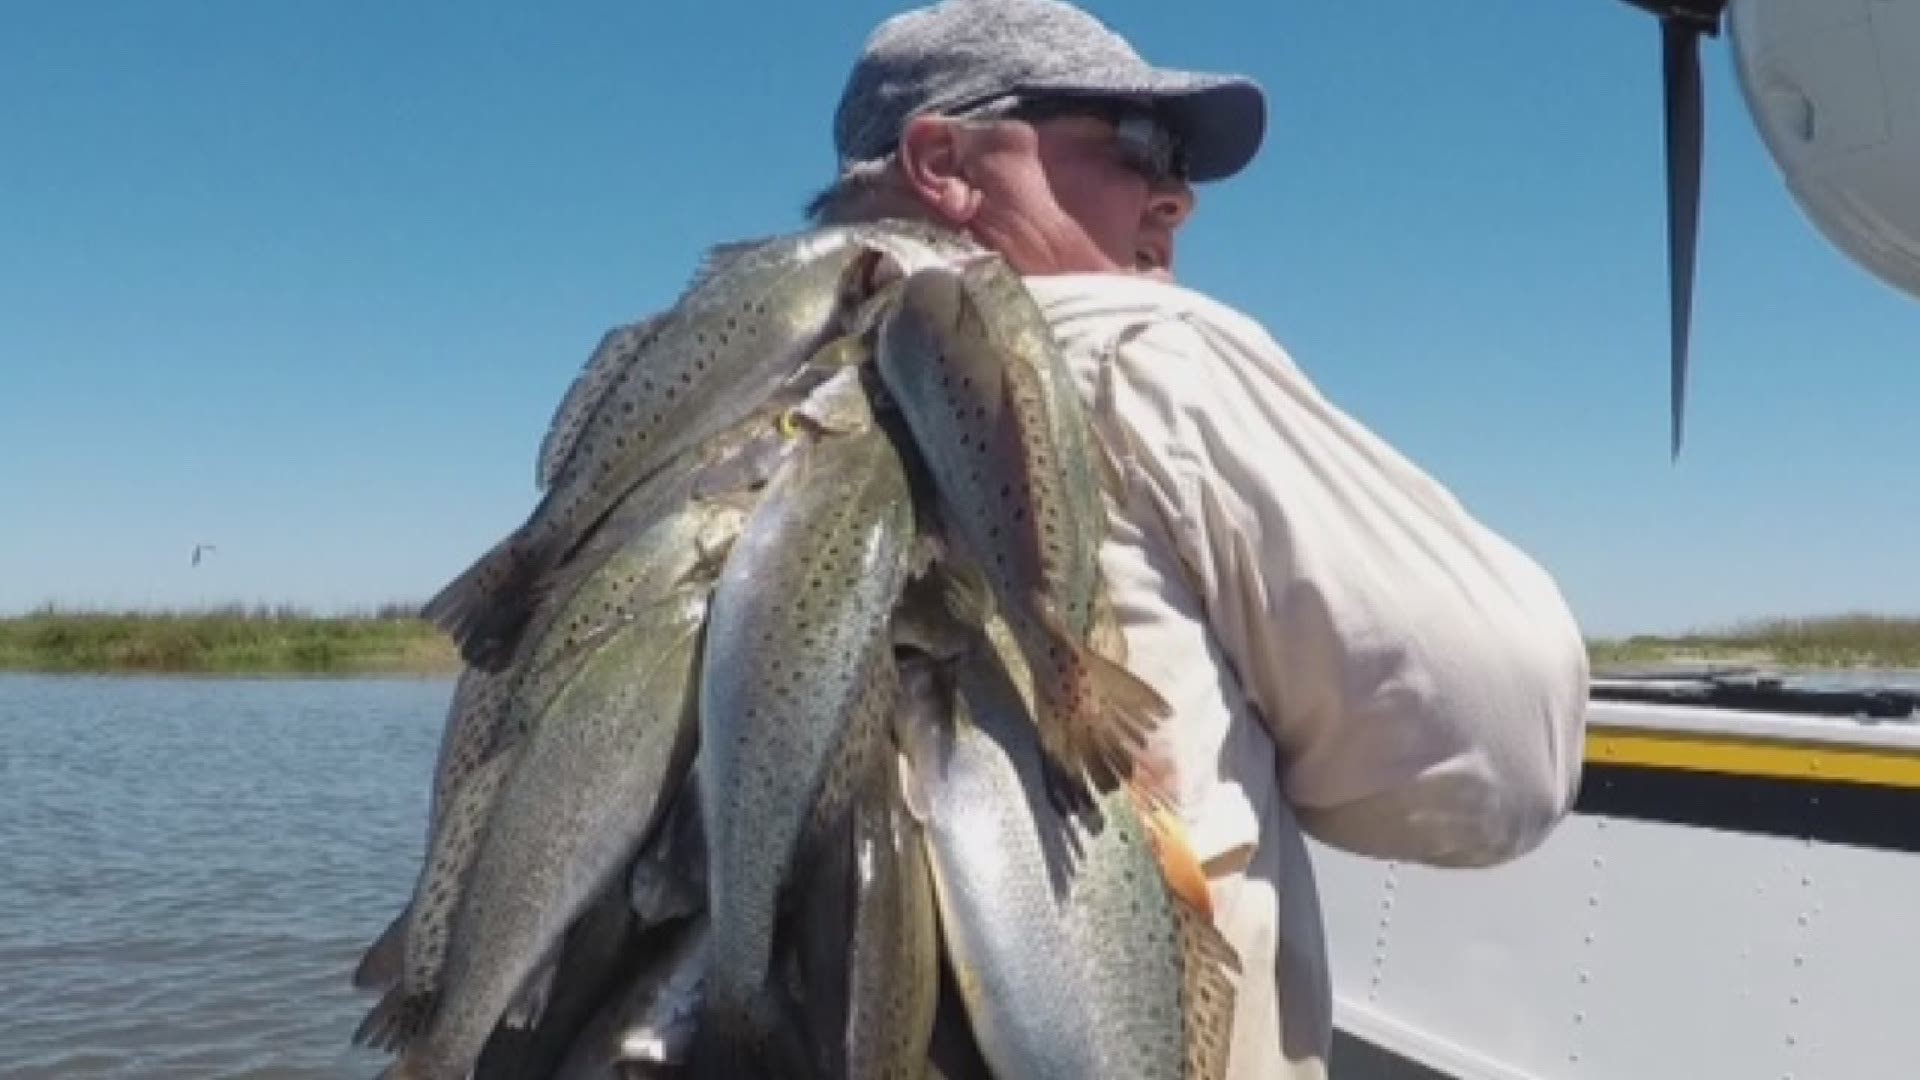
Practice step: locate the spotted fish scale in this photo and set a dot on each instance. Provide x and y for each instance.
(895, 974)
(586, 789)
(797, 688)
(1160, 974)
(998, 862)
(475, 713)
(654, 567)
(628, 563)
(749, 320)
(1125, 925)
(862, 947)
(969, 361)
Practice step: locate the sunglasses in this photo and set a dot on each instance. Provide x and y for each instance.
(1141, 140)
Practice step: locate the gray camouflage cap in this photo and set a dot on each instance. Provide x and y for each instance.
(957, 54)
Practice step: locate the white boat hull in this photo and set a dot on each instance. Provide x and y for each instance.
(1630, 947)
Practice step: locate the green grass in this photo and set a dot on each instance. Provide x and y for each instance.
(390, 640)
(1834, 641)
(393, 640)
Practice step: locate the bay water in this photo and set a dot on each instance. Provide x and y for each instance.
(190, 868)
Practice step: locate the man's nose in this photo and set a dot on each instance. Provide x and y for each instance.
(1170, 203)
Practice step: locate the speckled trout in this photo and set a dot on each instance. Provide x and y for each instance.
(795, 698)
(968, 359)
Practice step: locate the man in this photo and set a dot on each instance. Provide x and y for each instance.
(1348, 653)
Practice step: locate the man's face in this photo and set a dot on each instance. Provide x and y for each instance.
(1077, 191)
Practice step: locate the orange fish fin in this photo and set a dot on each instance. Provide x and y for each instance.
(1179, 864)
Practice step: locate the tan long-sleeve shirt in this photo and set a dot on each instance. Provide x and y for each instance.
(1348, 653)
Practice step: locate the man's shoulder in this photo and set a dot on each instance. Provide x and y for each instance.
(1160, 321)
(1079, 304)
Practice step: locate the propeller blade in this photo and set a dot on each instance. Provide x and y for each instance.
(1685, 128)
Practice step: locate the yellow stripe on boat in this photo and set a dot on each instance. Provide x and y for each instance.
(1746, 756)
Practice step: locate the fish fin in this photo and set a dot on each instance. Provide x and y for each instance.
(396, 1021)
(527, 1008)
(1180, 865)
(566, 580)
(1209, 968)
(1106, 636)
(1153, 790)
(1109, 731)
(380, 967)
(949, 581)
(1068, 794)
(487, 606)
(716, 259)
(924, 557)
(968, 594)
(616, 349)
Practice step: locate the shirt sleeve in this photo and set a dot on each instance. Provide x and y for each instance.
(1423, 680)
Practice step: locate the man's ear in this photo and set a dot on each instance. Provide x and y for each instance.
(933, 160)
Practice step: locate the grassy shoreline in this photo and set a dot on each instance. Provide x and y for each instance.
(1821, 643)
(393, 640)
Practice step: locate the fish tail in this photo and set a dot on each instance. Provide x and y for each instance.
(396, 1021)
(1102, 730)
(381, 965)
(487, 606)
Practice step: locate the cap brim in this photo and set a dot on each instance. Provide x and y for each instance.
(1220, 119)
(1220, 122)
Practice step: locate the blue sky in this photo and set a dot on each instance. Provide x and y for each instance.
(305, 281)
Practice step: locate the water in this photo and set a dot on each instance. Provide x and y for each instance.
(1859, 679)
(190, 868)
